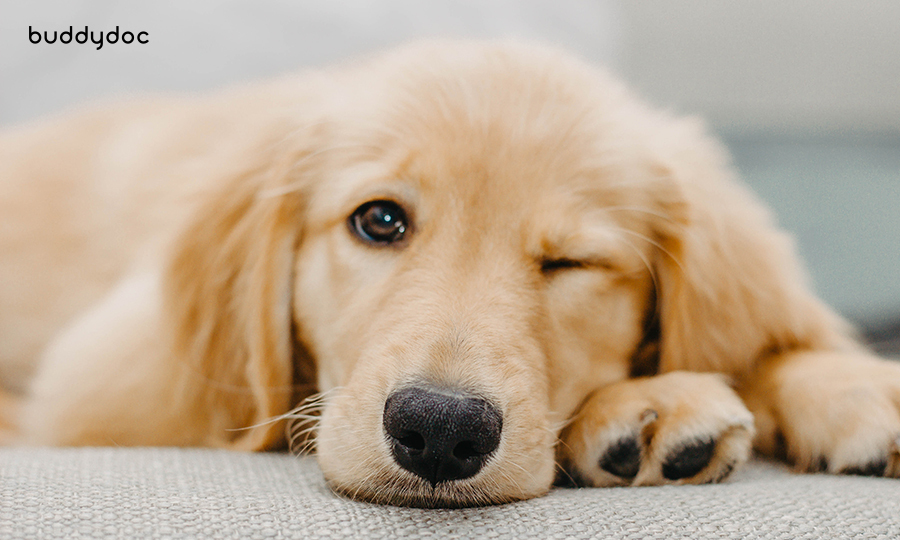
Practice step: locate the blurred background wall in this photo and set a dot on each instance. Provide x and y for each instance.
(805, 93)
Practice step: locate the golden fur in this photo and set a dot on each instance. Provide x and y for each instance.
(181, 272)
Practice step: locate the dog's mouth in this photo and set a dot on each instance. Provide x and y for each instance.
(412, 492)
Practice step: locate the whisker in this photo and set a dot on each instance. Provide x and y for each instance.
(645, 211)
(303, 422)
(521, 467)
(297, 434)
(564, 444)
(558, 426)
(654, 243)
(300, 442)
(650, 268)
(567, 474)
(312, 403)
(510, 480)
(366, 480)
(300, 433)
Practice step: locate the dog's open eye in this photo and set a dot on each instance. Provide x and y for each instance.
(379, 222)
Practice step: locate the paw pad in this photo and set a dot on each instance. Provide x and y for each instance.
(622, 458)
(688, 460)
(875, 468)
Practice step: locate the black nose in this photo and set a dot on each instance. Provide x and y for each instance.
(440, 434)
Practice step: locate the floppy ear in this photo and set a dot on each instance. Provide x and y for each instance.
(229, 299)
(731, 288)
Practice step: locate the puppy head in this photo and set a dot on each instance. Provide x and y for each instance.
(485, 234)
(471, 239)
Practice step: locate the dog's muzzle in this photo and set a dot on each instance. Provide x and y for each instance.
(440, 434)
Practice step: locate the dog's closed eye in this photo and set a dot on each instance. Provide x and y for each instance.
(550, 266)
(553, 265)
(380, 223)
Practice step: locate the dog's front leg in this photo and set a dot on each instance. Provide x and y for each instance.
(109, 378)
(828, 411)
(676, 428)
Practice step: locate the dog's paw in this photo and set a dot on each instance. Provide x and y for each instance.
(677, 428)
(828, 412)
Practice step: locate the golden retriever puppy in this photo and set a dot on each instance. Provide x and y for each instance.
(489, 262)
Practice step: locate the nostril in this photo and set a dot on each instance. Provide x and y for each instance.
(465, 450)
(412, 440)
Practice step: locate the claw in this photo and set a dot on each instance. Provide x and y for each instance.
(892, 470)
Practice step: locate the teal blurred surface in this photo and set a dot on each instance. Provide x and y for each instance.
(840, 197)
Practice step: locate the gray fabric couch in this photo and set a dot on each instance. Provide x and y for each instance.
(193, 493)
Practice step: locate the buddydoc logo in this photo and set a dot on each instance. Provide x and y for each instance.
(98, 38)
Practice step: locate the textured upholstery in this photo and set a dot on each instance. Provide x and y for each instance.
(178, 493)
